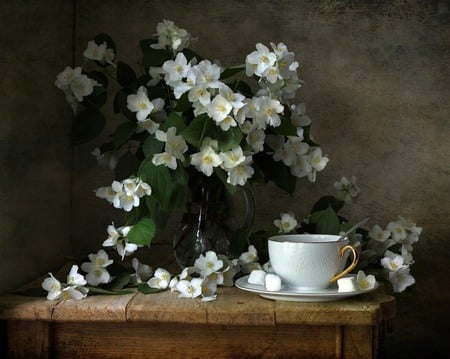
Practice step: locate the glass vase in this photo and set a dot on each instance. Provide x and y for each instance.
(214, 220)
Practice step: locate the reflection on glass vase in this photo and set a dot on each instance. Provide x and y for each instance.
(214, 220)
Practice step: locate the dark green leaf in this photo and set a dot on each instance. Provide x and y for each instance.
(142, 232)
(158, 177)
(198, 129)
(120, 105)
(98, 290)
(183, 103)
(307, 136)
(120, 281)
(152, 146)
(286, 128)
(151, 56)
(87, 125)
(127, 166)
(243, 88)
(98, 76)
(189, 54)
(125, 74)
(175, 120)
(101, 38)
(327, 221)
(145, 289)
(229, 139)
(123, 133)
(328, 201)
(276, 172)
(230, 71)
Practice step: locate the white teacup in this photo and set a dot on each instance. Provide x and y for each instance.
(310, 261)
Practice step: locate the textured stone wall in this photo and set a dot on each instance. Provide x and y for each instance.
(35, 157)
(376, 86)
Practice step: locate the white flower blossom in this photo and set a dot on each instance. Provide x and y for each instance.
(190, 289)
(365, 281)
(239, 174)
(95, 51)
(232, 158)
(74, 278)
(378, 234)
(259, 61)
(160, 280)
(171, 36)
(142, 273)
(208, 263)
(96, 268)
(205, 160)
(140, 104)
(176, 70)
(348, 190)
(53, 287)
(398, 231)
(219, 108)
(392, 261)
(250, 256)
(401, 279)
(82, 86)
(286, 223)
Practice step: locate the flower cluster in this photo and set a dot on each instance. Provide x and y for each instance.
(125, 194)
(389, 250)
(201, 280)
(117, 238)
(73, 289)
(209, 271)
(187, 116)
(395, 245)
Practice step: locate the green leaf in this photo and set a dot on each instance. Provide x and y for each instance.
(125, 74)
(183, 104)
(123, 133)
(286, 128)
(152, 146)
(158, 177)
(230, 71)
(87, 125)
(120, 105)
(276, 172)
(229, 139)
(127, 166)
(328, 201)
(145, 289)
(307, 136)
(175, 120)
(151, 56)
(120, 281)
(198, 129)
(243, 88)
(98, 290)
(327, 221)
(189, 54)
(142, 232)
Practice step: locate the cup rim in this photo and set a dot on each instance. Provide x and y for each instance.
(284, 238)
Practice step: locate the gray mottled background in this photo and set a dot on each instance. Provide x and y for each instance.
(376, 86)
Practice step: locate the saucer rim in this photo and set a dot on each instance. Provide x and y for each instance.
(243, 284)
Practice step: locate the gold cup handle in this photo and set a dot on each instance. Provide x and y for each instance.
(350, 267)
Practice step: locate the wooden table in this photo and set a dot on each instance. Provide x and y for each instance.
(237, 325)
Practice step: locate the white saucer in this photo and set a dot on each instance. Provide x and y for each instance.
(286, 294)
